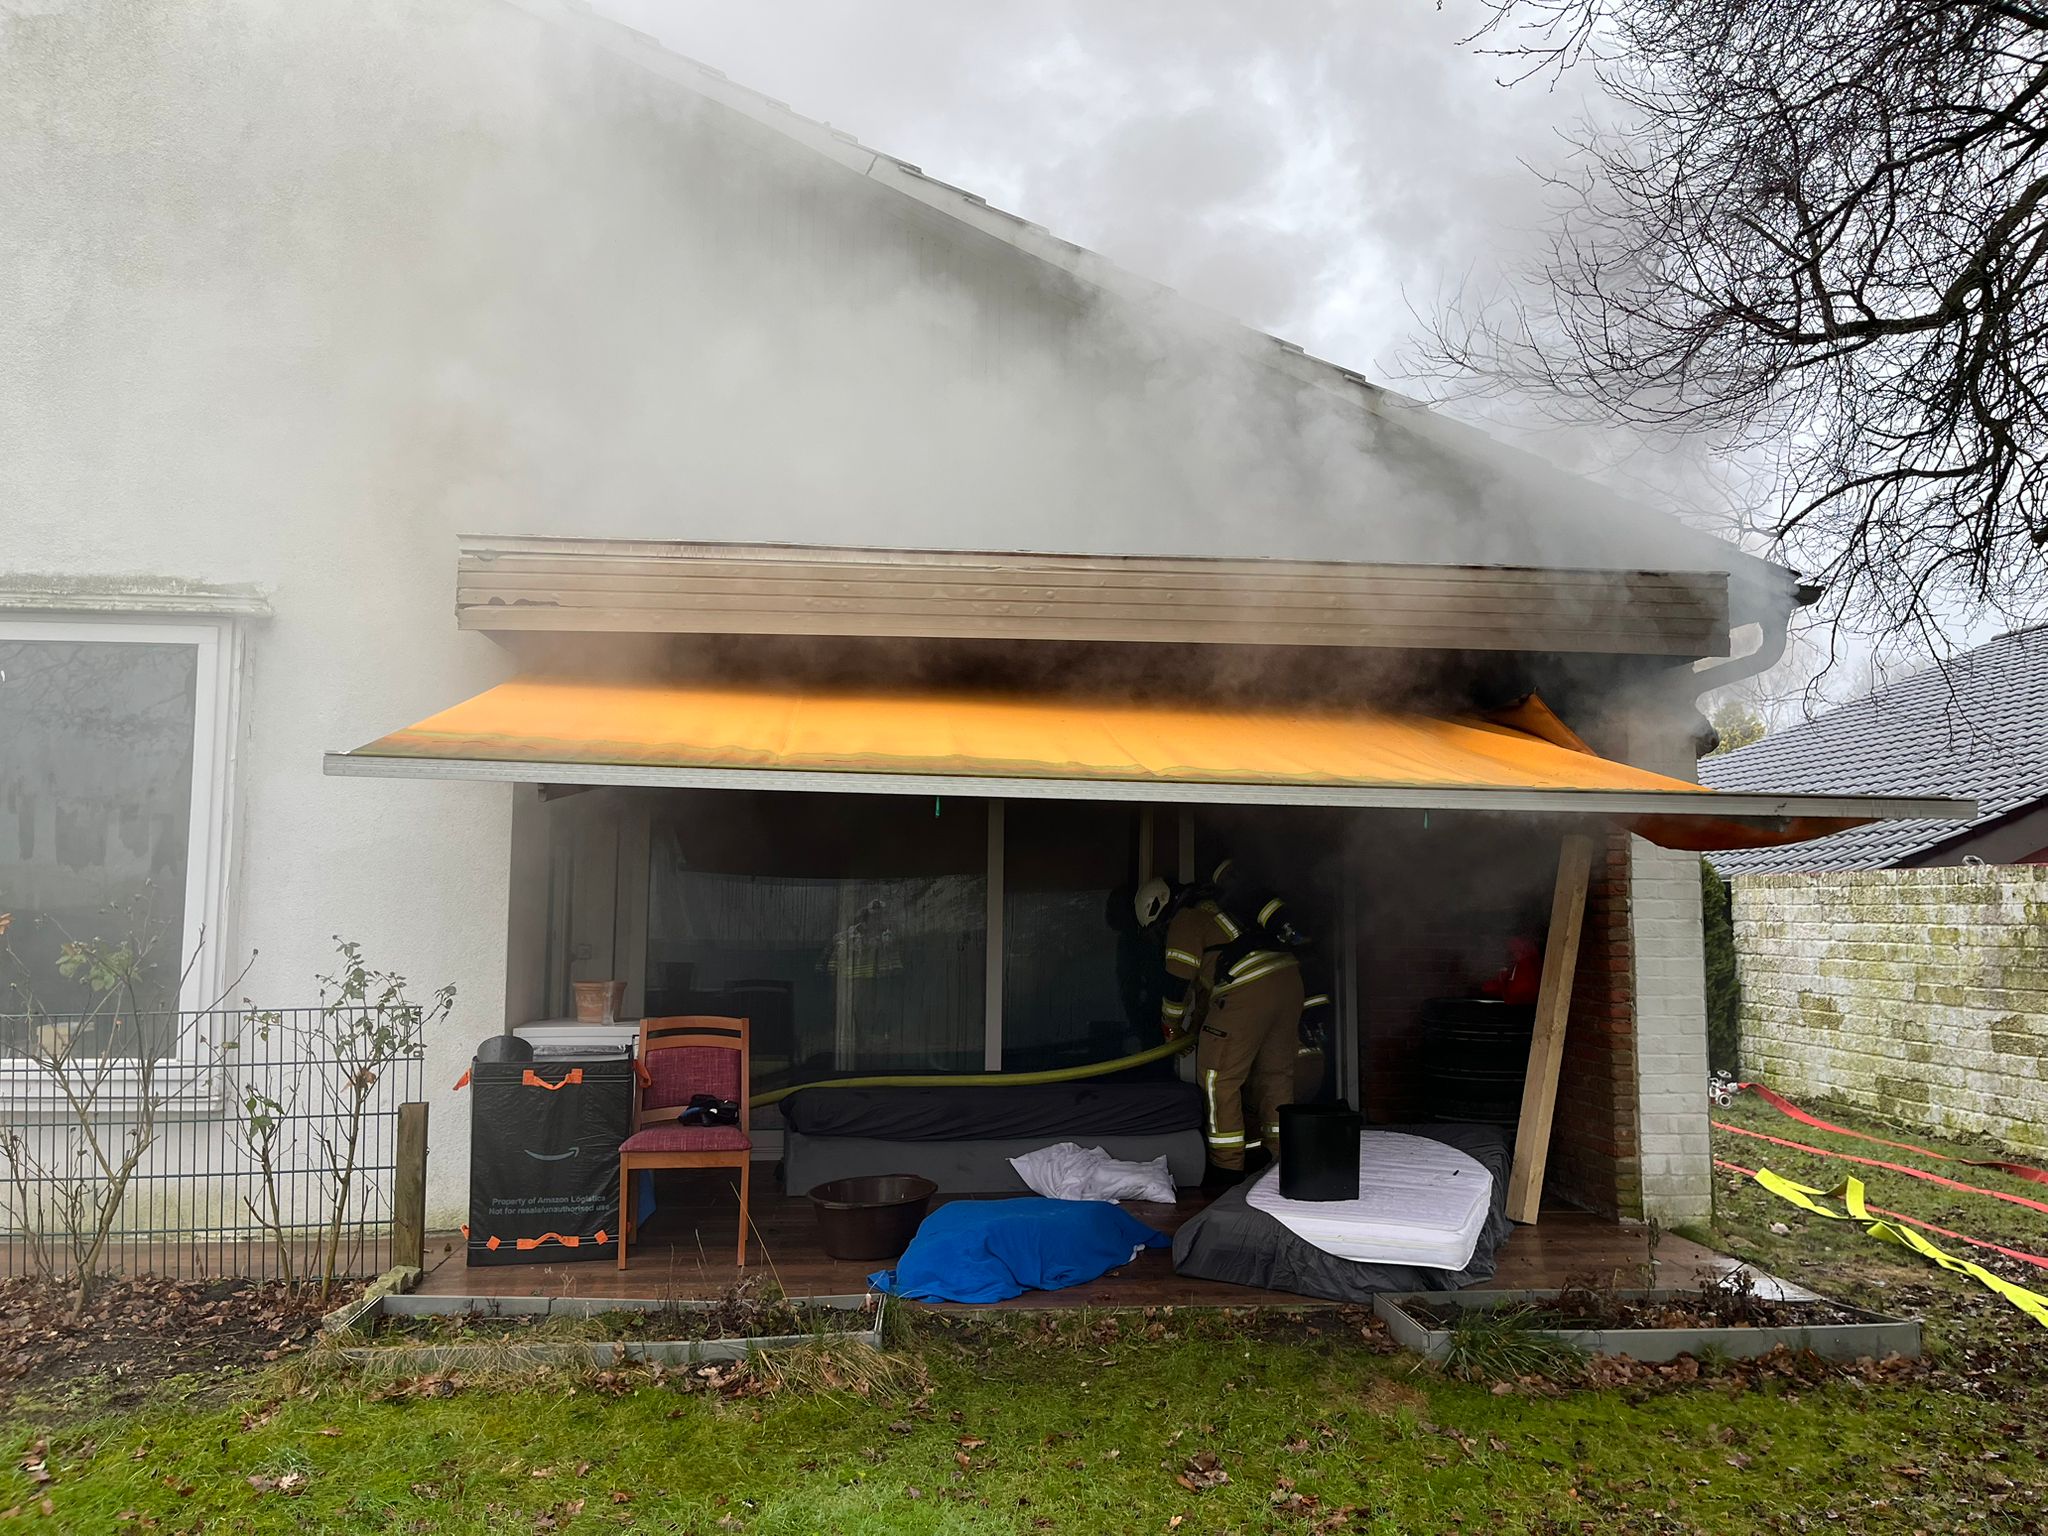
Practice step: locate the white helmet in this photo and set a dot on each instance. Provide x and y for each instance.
(1152, 900)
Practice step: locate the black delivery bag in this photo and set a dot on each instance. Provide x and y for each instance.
(544, 1158)
(1319, 1152)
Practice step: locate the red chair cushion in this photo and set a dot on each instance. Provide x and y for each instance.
(680, 1073)
(688, 1138)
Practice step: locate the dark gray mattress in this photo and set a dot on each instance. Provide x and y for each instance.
(1063, 1111)
(970, 1167)
(1232, 1242)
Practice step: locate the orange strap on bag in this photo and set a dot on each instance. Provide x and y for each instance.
(532, 1079)
(528, 1244)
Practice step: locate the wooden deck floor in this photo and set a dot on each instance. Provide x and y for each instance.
(686, 1252)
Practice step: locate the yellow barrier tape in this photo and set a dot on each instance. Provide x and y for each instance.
(1850, 1193)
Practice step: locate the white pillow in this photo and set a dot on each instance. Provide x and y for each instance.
(1071, 1172)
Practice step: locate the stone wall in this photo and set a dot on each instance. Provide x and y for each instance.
(1918, 994)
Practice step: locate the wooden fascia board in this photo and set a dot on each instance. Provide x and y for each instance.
(568, 585)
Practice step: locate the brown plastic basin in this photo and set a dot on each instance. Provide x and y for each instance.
(873, 1217)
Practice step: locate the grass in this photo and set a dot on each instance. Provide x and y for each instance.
(1090, 1424)
(1080, 1422)
(1503, 1344)
(1838, 1259)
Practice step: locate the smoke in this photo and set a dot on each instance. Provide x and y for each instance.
(471, 257)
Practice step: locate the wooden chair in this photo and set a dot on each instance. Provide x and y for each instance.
(680, 1057)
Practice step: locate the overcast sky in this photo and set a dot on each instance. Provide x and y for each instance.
(1310, 167)
(1321, 169)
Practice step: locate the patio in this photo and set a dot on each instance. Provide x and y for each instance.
(685, 1252)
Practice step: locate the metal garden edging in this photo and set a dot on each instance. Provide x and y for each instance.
(1873, 1337)
(362, 1316)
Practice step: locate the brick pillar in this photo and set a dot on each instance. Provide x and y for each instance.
(1593, 1141)
(1670, 1034)
(1670, 977)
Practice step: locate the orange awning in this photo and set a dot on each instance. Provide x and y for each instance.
(555, 730)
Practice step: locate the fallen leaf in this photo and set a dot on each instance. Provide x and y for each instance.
(971, 1442)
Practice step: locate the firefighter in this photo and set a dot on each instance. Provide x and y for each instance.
(1229, 979)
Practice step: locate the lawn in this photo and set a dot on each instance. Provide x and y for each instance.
(1189, 1421)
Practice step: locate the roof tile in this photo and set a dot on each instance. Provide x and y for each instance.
(1977, 726)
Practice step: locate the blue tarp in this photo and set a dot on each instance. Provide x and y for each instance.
(989, 1250)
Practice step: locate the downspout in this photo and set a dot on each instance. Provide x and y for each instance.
(1776, 634)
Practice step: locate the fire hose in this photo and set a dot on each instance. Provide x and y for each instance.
(991, 1079)
(1850, 1193)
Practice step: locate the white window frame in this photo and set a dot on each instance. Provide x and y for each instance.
(217, 642)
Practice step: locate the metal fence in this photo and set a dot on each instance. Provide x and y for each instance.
(237, 1134)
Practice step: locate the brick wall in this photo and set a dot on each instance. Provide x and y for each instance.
(1593, 1152)
(1671, 1034)
(1919, 994)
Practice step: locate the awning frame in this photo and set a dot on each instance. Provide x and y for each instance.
(1599, 802)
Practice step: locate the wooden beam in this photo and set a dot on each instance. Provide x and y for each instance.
(409, 1189)
(1546, 1046)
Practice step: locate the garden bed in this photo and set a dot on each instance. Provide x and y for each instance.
(136, 1332)
(1652, 1326)
(445, 1333)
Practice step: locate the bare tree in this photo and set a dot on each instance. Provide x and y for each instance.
(1814, 234)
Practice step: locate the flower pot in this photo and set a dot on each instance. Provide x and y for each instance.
(599, 1002)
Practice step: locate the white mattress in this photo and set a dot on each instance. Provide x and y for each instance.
(1419, 1202)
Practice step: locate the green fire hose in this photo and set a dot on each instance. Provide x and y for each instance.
(992, 1079)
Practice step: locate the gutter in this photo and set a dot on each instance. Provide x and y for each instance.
(1776, 634)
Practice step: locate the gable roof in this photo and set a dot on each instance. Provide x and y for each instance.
(1571, 516)
(1976, 726)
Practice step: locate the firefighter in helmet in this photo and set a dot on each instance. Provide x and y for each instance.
(1234, 978)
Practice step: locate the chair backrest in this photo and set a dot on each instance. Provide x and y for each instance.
(688, 1055)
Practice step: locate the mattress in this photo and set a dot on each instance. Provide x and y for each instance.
(1061, 1111)
(980, 1166)
(1419, 1202)
(1234, 1241)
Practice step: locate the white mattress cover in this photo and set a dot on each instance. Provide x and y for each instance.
(1419, 1202)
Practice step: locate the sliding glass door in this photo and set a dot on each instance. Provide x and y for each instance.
(852, 930)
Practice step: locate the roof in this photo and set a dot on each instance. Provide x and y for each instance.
(1974, 727)
(1567, 513)
(931, 741)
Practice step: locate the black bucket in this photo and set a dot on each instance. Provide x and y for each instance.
(873, 1217)
(1319, 1152)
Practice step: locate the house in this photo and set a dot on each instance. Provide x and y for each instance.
(1903, 966)
(687, 469)
(1974, 726)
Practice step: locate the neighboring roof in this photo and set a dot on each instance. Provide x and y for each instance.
(1576, 513)
(1975, 726)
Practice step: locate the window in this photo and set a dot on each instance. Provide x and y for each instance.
(112, 758)
(1079, 981)
(851, 930)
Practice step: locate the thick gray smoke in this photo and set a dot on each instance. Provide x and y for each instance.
(494, 262)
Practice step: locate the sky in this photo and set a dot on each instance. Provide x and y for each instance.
(1312, 168)
(1325, 170)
